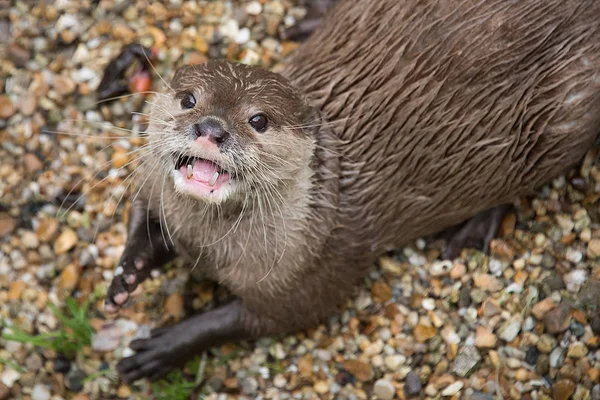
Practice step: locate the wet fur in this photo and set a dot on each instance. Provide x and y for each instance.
(421, 115)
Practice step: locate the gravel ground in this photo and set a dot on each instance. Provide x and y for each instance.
(519, 324)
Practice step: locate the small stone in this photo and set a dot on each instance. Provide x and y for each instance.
(557, 356)
(490, 308)
(4, 392)
(384, 389)
(7, 224)
(593, 249)
(74, 380)
(27, 105)
(484, 338)
(511, 328)
(32, 163)
(65, 242)
(249, 386)
(412, 384)
(453, 389)
(40, 392)
(174, 306)
(541, 308)
(7, 108)
(394, 362)
(322, 387)
(64, 85)
(9, 377)
(466, 360)
(124, 391)
(532, 355)
(458, 271)
(422, 333)
(120, 159)
(563, 389)
(30, 240)
(577, 350)
(575, 279)
(487, 282)
(254, 8)
(361, 371)
(440, 268)
(69, 278)
(558, 320)
(15, 290)
(381, 292)
(47, 230)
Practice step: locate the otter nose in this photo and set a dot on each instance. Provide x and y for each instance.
(211, 130)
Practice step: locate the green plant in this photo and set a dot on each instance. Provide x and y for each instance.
(176, 386)
(75, 331)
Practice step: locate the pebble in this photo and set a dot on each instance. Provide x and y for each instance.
(577, 350)
(541, 308)
(593, 249)
(510, 329)
(69, 278)
(40, 392)
(466, 360)
(65, 242)
(563, 389)
(7, 108)
(7, 225)
(384, 390)
(4, 392)
(423, 333)
(394, 362)
(412, 384)
(558, 319)
(453, 389)
(484, 338)
(74, 380)
(575, 279)
(9, 377)
(254, 8)
(488, 282)
(362, 371)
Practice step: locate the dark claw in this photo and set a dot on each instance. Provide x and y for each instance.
(476, 232)
(113, 81)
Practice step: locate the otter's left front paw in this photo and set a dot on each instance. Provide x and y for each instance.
(132, 270)
(154, 357)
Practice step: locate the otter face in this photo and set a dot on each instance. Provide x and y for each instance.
(228, 131)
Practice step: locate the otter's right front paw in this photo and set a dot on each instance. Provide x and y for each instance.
(132, 270)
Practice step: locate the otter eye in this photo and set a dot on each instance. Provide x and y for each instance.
(188, 101)
(258, 122)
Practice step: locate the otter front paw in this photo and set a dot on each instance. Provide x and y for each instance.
(131, 271)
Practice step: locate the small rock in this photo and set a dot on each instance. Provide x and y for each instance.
(174, 306)
(453, 389)
(490, 308)
(440, 268)
(422, 333)
(558, 319)
(47, 230)
(40, 392)
(249, 386)
(458, 271)
(557, 356)
(381, 292)
(9, 377)
(394, 362)
(254, 8)
(64, 85)
(74, 380)
(7, 224)
(466, 360)
(65, 242)
(541, 308)
(361, 371)
(532, 355)
(484, 338)
(575, 279)
(15, 290)
(30, 240)
(124, 392)
(32, 163)
(69, 278)
(577, 350)
(412, 384)
(384, 389)
(4, 392)
(563, 389)
(7, 108)
(593, 249)
(488, 282)
(510, 329)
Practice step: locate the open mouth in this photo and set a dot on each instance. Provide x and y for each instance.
(201, 174)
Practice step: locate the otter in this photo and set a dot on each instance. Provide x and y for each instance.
(393, 121)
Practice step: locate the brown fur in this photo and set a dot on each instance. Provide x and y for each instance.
(425, 113)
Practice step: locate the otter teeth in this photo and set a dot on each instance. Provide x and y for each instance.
(190, 171)
(214, 178)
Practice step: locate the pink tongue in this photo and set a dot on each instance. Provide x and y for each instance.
(204, 170)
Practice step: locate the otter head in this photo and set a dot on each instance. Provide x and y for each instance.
(228, 131)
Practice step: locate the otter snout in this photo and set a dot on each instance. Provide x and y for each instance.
(212, 131)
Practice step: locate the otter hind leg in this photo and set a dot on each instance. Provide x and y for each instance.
(477, 232)
(172, 346)
(315, 10)
(145, 249)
